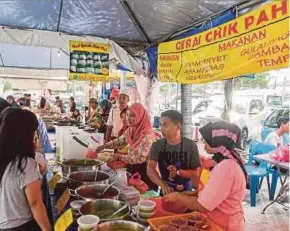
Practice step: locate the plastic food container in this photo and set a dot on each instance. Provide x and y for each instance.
(130, 195)
(146, 206)
(146, 215)
(88, 222)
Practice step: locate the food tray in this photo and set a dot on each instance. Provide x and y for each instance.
(156, 222)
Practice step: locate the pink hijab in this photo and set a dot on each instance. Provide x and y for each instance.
(143, 125)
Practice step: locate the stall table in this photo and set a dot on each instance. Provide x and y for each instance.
(284, 181)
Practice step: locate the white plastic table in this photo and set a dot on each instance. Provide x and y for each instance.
(284, 182)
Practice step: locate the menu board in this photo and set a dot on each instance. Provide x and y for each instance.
(89, 61)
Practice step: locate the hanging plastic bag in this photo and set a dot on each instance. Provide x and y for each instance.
(281, 154)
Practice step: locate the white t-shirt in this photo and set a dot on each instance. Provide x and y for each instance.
(14, 207)
(274, 139)
(114, 120)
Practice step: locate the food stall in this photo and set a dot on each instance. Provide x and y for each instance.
(73, 183)
(76, 187)
(104, 196)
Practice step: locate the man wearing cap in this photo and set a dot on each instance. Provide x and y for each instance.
(114, 123)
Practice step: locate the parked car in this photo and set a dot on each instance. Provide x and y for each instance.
(270, 124)
(246, 113)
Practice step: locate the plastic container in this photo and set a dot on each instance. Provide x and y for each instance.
(146, 215)
(130, 195)
(146, 205)
(121, 179)
(88, 222)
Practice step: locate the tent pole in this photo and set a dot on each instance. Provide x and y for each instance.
(228, 91)
(2, 60)
(59, 16)
(186, 110)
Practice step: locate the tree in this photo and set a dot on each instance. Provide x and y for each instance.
(260, 81)
(7, 86)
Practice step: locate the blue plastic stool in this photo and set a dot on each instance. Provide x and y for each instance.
(257, 173)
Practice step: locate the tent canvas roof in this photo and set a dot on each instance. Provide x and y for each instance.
(109, 18)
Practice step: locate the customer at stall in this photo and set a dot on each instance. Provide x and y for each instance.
(28, 101)
(59, 104)
(105, 106)
(22, 100)
(114, 123)
(21, 204)
(72, 104)
(96, 120)
(10, 99)
(57, 98)
(221, 199)
(139, 138)
(77, 115)
(3, 104)
(176, 157)
(276, 138)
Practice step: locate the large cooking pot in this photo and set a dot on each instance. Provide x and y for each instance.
(75, 165)
(104, 208)
(89, 177)
(94, 192)
(120, 225)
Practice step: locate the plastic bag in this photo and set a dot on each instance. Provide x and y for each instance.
(135, 180)
(281, 154)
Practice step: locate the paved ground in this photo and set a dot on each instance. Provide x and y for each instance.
(276, 217)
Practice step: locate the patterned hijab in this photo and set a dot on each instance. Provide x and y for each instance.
(223, 138)
(106, 106)
(143, 125)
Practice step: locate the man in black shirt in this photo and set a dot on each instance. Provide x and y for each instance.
(176, 157)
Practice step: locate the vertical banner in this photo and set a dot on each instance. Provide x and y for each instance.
(89, 61)
(255, 42)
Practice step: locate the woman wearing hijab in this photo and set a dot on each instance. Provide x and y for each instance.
(105, 106)
(221, 199)
(139, 138)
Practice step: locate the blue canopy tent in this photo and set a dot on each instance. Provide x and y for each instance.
(132, 24)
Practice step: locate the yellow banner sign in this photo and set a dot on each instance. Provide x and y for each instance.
(255, 42)
(89, 61)
(116, 76)
(62, 201)
(64, 221)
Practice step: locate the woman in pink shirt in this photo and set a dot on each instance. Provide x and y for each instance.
(221, 199)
